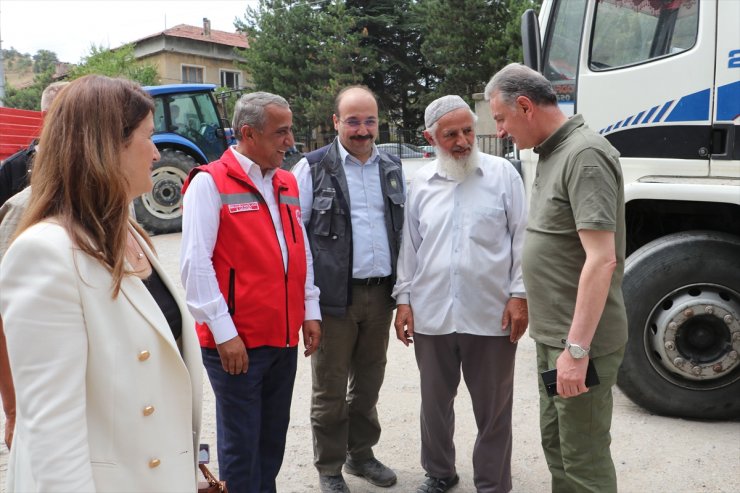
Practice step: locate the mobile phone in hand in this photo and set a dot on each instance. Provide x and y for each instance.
(550, 379)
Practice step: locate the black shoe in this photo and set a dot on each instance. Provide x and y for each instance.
(373, 470)
(438, 485)
(332, 484)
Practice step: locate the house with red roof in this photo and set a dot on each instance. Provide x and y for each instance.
(193, 54)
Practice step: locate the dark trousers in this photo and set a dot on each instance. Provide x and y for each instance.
(252, 416)
(348, 371)
(488, 368)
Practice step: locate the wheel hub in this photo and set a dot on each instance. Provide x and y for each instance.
(696, 332)
(165, 199)
(166, 192)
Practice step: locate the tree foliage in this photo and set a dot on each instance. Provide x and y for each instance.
(28, 98)
(392, 33)
(44, 61)
(16, 60)
(115, 63)
(407, 51)
(304, 52)
(40, 67)
(486, 39)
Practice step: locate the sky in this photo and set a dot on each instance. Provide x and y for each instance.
(70, 27)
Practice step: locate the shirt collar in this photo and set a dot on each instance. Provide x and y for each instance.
(251, 169)
(345, 155)
(550, 143)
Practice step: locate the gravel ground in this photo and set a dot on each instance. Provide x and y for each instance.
(651, 453)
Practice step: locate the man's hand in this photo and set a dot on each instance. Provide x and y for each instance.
(571, 375)
(9, 428)
(515, 317)
(233, 356)
(311, 336)
(404, 324)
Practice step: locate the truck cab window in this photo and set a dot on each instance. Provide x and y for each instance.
(628, 32)
(562, 48)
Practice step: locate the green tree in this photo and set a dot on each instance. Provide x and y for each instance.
(392, 33)
(44, 61)
(486, 37)
(28, 98)
(407, 51)
(11, 57)
(119, 62)
(305, 52)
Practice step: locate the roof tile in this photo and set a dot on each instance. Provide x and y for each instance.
(195, 32)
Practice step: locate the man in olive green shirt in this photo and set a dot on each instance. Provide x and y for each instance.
(572, 264)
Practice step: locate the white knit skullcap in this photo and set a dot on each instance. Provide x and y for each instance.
(441, 106)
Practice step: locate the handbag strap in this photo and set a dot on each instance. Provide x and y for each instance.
(209, 476)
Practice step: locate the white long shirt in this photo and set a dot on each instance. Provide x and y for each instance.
(460, 258)
(200, 221)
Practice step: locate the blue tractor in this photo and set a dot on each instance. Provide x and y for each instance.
(188, 131)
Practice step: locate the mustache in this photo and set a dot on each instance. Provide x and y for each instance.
(461, 148)
(362, 137)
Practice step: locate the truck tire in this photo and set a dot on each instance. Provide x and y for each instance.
(682, 294)
(160, 211)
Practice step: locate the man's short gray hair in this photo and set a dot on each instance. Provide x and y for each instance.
(250, 110)
(51, 91)
(516, 80)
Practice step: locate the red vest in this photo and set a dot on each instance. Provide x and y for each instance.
(265, 301)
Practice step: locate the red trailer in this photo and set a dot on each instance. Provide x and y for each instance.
(17, 129)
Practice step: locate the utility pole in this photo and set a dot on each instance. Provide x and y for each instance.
(2, 72)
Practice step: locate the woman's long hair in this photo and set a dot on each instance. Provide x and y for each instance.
(77, 176)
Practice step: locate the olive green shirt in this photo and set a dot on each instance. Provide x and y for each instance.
(578, 185)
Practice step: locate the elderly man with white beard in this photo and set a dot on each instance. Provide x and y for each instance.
(460, 295)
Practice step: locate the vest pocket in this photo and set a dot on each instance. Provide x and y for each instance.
(321, 215)
(397, 202)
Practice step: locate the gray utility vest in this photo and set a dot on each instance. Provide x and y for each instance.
(330, 229)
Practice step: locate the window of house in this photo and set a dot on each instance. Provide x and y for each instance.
(192, 74)
(230, 79)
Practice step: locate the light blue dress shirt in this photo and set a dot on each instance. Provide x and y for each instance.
(371, 255)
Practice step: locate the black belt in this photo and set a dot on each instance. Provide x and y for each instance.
(371, 281)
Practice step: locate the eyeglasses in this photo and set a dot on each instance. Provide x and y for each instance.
(355, 123)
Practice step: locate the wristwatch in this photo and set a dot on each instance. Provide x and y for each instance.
(578, 352)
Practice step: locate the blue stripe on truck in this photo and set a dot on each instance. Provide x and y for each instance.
(691, 108)
(728, 101)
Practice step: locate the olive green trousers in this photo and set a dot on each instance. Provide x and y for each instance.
(575, 431)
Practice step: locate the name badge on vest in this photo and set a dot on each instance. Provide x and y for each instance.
(244, 207)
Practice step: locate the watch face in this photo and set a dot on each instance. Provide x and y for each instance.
(577, 351)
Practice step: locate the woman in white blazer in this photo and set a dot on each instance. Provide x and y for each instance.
(104, 355)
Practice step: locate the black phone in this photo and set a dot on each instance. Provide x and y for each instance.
(550, 379)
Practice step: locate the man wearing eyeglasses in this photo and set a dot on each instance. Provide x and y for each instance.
(352, 198)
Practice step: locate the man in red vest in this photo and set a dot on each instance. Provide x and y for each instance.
(248, 277)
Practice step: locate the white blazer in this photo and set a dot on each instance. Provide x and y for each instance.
(106, 401)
